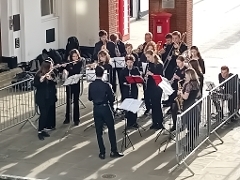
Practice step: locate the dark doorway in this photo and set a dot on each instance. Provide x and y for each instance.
(131, 8)
(0, 44)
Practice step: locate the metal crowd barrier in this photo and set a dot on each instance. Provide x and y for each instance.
(198, 122)
(17, 104)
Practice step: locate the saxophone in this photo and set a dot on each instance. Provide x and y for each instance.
(179, 99)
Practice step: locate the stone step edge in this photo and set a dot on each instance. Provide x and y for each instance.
(11, 177)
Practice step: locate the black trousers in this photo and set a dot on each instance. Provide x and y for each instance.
(47, 117)
(147, 98)
(103, 115)
(116, 75)
(73, 93)
(156, 100)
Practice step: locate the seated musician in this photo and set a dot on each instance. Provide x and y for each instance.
(179, 75)
(103, 60)
(129, 50)
(153, 91)
(195, 54)
(178, 48)
(188, 95)
(196, 66)
(130, 90)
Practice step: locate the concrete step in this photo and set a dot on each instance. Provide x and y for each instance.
(3, 66)
(7, 76)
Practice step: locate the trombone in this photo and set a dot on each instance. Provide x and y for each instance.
(177, 50)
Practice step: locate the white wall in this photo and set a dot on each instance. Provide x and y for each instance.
(78, 18)
(34, 28)
(144, 5)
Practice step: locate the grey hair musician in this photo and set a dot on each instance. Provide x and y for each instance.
(46, 97)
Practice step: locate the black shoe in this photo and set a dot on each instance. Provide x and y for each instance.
(40, 136)
(135, 126)
(153, 126)
(76, 123)
(50, 129)
(66, 122)
(101, 156)
(45, 134)
(116, 155)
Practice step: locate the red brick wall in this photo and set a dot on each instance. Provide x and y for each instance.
(108, 15)
(181, 19)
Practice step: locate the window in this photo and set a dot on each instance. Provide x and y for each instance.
(47, 7)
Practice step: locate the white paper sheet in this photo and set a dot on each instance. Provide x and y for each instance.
(91, 76)
(130, 104)
(118, 62)
(166, 87)
(72, 80)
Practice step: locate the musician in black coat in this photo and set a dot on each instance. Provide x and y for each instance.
(129, 51)
(46, 97)
(154, 91)
(195, 54)
(170, 63)
(164, 52)
(98, 46)
(129, 90)
(148, 37)
(73, 91)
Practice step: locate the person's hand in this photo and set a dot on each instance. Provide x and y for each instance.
(64, 65)
(140, 47)
(169, 58)
(58, 65)
(176, 77)
(149, 73)
(162, 51)
(175, 45)
(179, 92)
(48, 77)
(42, 78)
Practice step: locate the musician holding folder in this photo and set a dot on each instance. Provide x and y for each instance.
(129, 78)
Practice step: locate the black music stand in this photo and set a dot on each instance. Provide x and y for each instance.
(70, 81)
(132, 105)
(116, 63)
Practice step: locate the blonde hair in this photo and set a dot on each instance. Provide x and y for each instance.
(151, 43)
(104, 53)
(157, 59)
(192, 74)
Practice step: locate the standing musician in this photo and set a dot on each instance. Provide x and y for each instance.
(178, 47)
(130, 90)
(46, 97)
(154, 91)
(196, 66)
(74, 90)
(101, 94)
(166, 47)
(150, 46)
(187, 96)
(195, 54)
(148, 38)
(116, 49)
(129, 50)
(179, 75)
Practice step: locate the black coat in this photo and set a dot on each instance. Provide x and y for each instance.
(46, 91)
(125, 88)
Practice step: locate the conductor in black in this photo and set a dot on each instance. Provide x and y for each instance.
(101, 94)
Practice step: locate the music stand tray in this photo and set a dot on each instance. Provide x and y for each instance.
(210, 85)
(91, 76)
(118, 62)
(71, 81)
(132, 105)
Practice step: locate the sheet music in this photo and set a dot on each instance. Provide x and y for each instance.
(118, 62)
(166, 86)
(144, 66)
(210, 85)
(91, 76)
(72, 80)
(130, 104)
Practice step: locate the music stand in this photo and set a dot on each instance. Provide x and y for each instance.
(71, 81)
(117, 63)
(210, 85)
(135, 80)
(132, 105)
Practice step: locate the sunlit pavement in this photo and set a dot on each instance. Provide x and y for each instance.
(75, 157)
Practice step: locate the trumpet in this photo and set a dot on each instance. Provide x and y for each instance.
(159, 45)
(177, 50)
(179, 100)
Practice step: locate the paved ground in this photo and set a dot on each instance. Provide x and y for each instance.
(75, 157)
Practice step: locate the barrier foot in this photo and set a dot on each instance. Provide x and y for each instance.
(30, 122)
(212, 145)
(218, 137)
(84, 106)
(188, 168)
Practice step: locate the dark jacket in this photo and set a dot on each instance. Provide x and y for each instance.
(46, 91)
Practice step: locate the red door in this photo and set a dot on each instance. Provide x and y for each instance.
(124, 19)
